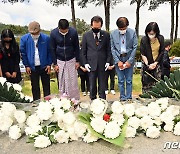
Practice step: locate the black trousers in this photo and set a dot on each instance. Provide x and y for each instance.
(111, 74)
(84, 82)
(35, 78)
(101, 77)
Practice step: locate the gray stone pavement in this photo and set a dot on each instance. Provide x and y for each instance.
(138, 145)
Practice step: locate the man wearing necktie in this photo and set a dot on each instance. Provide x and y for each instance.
(123, 48)
(96, 56)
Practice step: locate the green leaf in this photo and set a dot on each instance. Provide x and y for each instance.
(31, 139)
(52, 139)
(119, 141)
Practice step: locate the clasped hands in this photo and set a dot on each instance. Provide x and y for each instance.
(123, 66)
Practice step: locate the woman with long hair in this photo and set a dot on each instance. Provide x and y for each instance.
(152, 49)
(10, 60)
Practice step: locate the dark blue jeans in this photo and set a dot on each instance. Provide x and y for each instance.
(125, 76)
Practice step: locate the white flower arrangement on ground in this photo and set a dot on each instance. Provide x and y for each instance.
(54, 121)
(176, 129)
(42, 141)
(153, 132)
(15, 132)
(10, 92)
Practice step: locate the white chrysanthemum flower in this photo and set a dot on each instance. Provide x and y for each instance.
(130, 132)
(56, 103)
(98, 124)
(66, 103)
(1, 114)
(61, 124)
(42, 141)
(58, 115)
(15, 132)
(169, 126)
(154, 109)
(17, 87)
(117, 107)
(129, 109)
(146, 122)
(5, 123)
(69, 118)
(166, 117)
(177, 129)
(21, 95)
(61, 137)
(153, 132)
(134, 122)
(141, 111)
(157, 121)
(89, 138)
(163, 103)
(44, 110)
(33, 120)
(85, 105)
(20, 116)
(72, 135)
(119, 118)
(112, 130)
(80, 128)
(8, 85)
(8, 109)
(33, 130)
(2, 80)
(173, 109)
(28, 98)
(97, 106)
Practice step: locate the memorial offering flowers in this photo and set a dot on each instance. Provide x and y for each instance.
(12, 92)
(61, 120)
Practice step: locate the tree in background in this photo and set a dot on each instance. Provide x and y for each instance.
(139, 4)
(14, 1)
(175, 49)
(81, 26)
(174, 28)
(107, 5)
(63, 2)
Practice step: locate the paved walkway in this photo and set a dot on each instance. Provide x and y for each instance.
(138, 145)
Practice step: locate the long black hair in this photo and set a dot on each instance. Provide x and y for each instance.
(13, 45)
(152, 26)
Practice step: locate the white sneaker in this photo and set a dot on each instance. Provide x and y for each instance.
(106, 92)
(84, 93)
(113, 92)
(88, 93)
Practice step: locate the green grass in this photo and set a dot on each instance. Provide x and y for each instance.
(26, 89)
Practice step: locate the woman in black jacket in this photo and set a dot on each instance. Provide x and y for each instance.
(10, 57)
(152, 49)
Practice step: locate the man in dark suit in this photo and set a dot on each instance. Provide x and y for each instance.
(96, 56)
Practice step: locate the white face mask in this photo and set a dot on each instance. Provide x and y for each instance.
(151, 36)
(122, 32)
(35, 36)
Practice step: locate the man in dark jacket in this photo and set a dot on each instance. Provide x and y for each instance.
(96, 56)
(36, 56)
(65, 52)
(166, 60)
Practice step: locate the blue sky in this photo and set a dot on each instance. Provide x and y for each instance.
(48, 15)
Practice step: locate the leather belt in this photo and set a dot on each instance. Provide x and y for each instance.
(123, 55)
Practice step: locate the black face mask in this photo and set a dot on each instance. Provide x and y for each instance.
(95, 30)
(9, 41)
